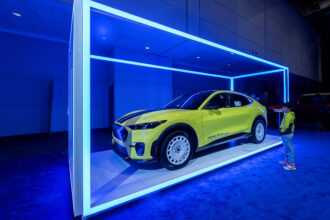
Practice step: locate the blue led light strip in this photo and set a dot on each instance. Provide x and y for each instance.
(157, 66)
(284, 86)
(288, 85)
(232, 84)
(176, 32)
(259, 73)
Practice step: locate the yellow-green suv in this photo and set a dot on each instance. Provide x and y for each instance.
(188, 124)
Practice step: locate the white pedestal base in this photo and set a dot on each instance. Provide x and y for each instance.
(115, 181)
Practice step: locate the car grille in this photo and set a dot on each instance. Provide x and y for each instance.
(119, 132)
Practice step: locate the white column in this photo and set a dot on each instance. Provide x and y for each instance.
(80, 113)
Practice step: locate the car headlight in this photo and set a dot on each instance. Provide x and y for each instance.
(149, 125)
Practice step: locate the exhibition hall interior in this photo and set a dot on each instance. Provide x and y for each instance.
(165, 109)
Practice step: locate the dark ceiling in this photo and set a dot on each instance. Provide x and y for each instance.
(317, 12)
(53, 17)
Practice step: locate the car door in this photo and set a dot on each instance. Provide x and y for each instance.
(215, 118)
(240, 113)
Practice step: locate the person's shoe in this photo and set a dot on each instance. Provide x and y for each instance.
(289, 167)
(284, 162)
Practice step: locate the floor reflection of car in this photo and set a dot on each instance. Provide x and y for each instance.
(188, 124)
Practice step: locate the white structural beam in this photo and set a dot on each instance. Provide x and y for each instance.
(81, 107)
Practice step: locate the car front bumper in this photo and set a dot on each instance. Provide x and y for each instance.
(136, 144)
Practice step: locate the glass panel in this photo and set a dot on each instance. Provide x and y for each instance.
(70, 105)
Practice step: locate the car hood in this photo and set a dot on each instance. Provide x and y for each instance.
(144, 116)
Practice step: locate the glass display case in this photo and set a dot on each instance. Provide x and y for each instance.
(118, 63)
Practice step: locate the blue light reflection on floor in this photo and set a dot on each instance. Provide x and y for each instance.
(255, 188)
(36, 187)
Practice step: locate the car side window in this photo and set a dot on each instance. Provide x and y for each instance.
(238, 100)
(218, 101)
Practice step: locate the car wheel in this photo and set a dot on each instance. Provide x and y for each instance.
(176, 150)
(258, 132)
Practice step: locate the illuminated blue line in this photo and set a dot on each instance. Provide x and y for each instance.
(176, 32)
(259, 73)
(288, 85)
(156, 66)
(133, 196)
(284, 86)
(232, 84)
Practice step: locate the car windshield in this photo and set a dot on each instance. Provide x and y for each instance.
(189, 101)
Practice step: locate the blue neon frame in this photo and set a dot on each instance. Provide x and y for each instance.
(87, 210)
(231, 86)
(131, 17)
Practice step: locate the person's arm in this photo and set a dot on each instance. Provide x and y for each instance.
(277, 110)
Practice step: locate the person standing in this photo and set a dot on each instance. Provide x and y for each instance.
(286, 131)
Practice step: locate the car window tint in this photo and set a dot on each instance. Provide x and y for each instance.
(218, 101)
(238, 100)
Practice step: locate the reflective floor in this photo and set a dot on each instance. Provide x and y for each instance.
(34, 184)
(113, 178)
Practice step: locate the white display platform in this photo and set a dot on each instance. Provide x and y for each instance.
(113, 178)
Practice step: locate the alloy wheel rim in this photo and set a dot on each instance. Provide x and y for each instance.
(260, 131)
(178, 150)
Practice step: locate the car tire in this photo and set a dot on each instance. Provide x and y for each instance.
(176, 150)
(258, 131)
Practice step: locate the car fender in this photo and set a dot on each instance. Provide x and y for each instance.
(261, 117)
(177, 126)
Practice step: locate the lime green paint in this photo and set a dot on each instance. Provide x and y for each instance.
(209, 125)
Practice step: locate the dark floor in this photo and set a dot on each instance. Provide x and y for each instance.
(34, 184)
